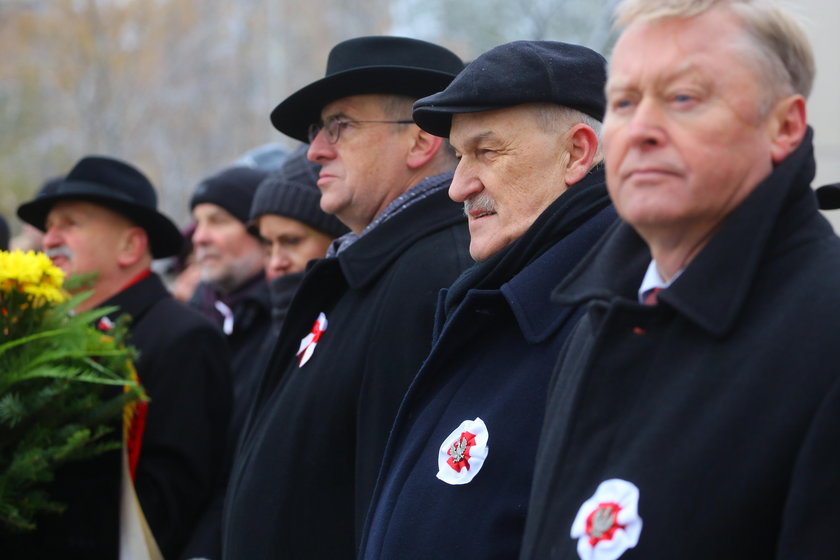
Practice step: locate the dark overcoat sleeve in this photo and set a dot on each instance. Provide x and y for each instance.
(187, 376)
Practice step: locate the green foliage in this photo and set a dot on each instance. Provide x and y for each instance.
(61, 382)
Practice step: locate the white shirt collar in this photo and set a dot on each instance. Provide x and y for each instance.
(653, 280)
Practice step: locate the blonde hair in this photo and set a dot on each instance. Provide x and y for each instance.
(775, 40)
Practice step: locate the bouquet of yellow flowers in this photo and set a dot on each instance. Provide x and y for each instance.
(64, 385)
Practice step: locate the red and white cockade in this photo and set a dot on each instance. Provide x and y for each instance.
(608, 523)
(463, 452)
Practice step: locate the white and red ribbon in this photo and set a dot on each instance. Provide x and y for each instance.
(608, 523)
(463, 452)
(310, 341)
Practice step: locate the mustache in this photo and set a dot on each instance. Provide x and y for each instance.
(201, 252)
(481, 202)
(60, 251)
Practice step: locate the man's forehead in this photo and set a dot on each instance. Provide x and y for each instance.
(620, 77)
(83, 209)
(65, 208)
(211, 210)
(486, 126)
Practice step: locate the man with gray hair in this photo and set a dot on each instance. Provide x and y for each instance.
(695, 411)
(523, 119)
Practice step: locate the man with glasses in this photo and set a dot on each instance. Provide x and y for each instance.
(361, 321)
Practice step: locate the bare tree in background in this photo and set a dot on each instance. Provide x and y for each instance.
(181, 88)
(473, 27)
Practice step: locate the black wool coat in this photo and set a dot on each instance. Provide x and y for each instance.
(184, 367)
(308, 459)
(252, 329)
(497, 345)
(721, 404)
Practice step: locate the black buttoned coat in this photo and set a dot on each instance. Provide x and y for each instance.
(721, 403)
(184, 367)
(309, 456)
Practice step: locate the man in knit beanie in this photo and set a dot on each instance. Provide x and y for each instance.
(233, 291)
(286, 213)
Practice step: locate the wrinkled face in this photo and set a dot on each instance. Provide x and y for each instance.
(683, 138)
(289, 244)
(366, 169)
(224, 250)
(510, 170)
(82, 237)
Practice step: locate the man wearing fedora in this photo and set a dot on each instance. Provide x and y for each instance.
(103, 219)
(361, 322)
(524, 119)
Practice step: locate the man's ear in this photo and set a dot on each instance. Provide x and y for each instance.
(424, 147)
(133, 246)
(582, 146)
(788, 124)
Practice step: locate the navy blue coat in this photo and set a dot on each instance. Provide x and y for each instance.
(721, 404)
(307, 462)
(491, 360)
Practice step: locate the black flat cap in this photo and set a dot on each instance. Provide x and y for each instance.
(516, 73)
(113, 184)
(377, 64)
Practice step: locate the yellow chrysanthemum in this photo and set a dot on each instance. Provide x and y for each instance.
(33, 274)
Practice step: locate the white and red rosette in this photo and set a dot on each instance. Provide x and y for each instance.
(463, 452)
(310, 341)
(608, 523)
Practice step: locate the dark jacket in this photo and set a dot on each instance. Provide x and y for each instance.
(308, 459)
(206, 540)
(721, 404)
(497, 346)
(184, 366)
(252, 325)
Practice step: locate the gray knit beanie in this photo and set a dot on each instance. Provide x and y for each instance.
(291, 191)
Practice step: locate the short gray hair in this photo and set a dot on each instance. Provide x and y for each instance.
(775, 39)
(558, 119)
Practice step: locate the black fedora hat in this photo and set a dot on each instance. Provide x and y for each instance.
(116, 185)
(377, 64)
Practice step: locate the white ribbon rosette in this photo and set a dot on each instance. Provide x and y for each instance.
(608, 523)
(463, 452)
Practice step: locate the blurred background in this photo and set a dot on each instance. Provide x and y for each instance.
(183, 88)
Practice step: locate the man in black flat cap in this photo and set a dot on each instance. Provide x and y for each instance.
(524, 120)
(103, 219)
(360, 323)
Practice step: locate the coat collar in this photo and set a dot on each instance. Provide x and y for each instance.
(137, 298)
(365, 260)
(528, 293)
(713, 288)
